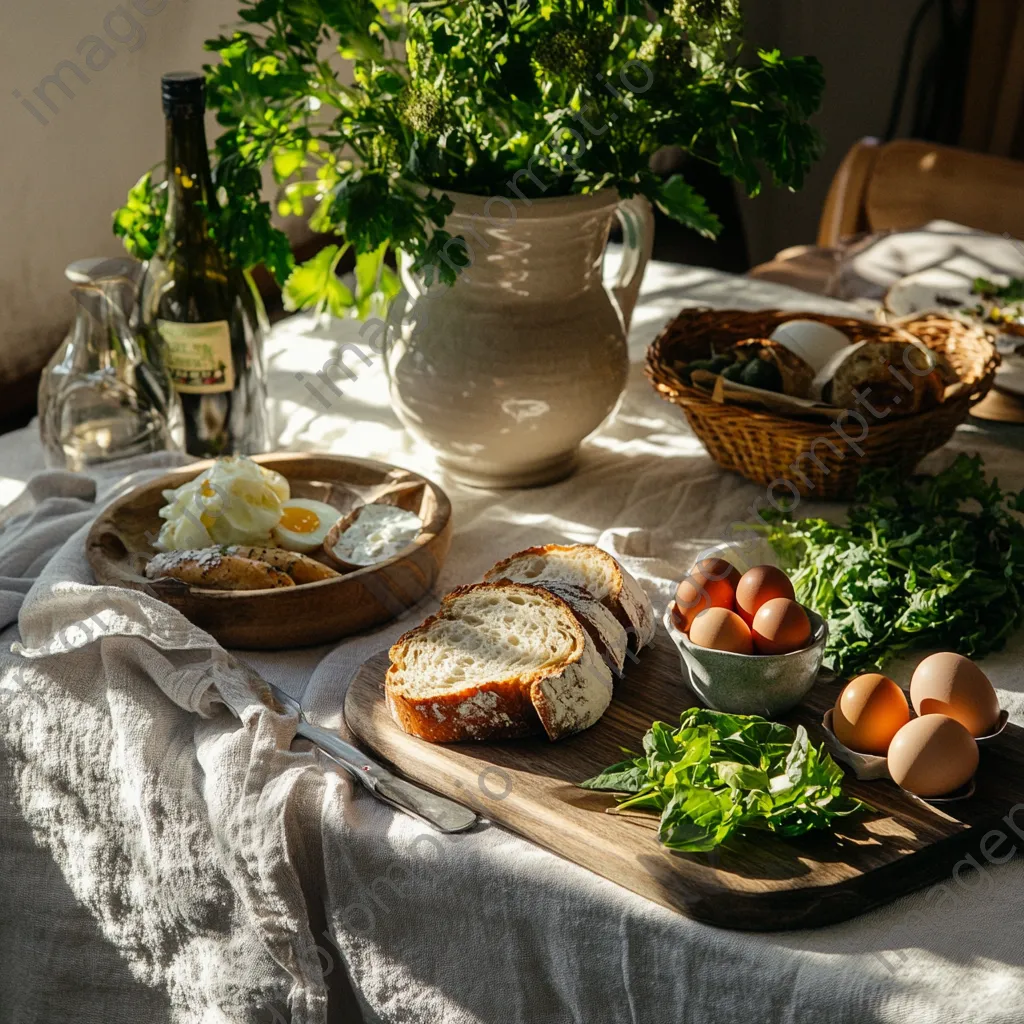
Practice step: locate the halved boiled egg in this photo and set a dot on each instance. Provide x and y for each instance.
(304, 524)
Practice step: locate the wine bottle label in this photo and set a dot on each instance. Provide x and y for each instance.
(198, 356)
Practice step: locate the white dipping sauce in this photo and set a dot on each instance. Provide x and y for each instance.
(376, 533)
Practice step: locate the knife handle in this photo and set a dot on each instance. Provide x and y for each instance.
(437, 811)
(349, 757)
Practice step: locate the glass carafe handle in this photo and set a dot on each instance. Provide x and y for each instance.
(637, 222)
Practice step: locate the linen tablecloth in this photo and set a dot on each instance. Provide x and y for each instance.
(483, 927)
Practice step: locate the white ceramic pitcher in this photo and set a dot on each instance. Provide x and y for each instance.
(507, 371)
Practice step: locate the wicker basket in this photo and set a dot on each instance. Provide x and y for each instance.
(799, 456)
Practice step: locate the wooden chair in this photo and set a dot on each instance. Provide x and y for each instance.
(901, 185)
(904, 184)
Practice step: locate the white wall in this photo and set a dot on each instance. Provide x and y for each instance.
(860, 45)
(60, 181)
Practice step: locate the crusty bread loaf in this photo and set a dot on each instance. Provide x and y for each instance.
(586, 566)
(608, 634)
(499, 660)
(301, 568)
(211, 567)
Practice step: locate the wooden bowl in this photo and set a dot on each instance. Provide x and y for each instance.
(328, 556)
(121, 543)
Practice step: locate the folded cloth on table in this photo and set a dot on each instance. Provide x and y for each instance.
(870, 266)
(138, 755)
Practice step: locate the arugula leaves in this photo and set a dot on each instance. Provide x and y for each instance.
(718, 775)
(925, 563)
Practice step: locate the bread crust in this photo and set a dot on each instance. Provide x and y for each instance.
(609, 636)
(555, 700)
(211, 568)
(625, 599)
(301, 568)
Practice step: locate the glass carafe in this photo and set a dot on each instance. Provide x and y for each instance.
(103, 396)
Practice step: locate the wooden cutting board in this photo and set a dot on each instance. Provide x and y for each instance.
(763, 883)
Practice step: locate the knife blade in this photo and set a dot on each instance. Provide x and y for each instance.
(435, 810)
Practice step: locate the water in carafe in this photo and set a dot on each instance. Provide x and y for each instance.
(103, 396)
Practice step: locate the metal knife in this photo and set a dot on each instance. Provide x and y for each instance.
(437, 811)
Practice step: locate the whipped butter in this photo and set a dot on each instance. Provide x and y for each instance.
(377, 532)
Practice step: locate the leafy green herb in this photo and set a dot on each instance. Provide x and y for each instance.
(242, 223)
(1012, 291)
(718, 775)
(138, 222)
(929, 562)
(991, 310)
(369, 111)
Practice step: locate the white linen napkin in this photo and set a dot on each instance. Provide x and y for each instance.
(140, 756)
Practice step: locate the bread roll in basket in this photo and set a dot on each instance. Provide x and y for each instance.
(804, 456)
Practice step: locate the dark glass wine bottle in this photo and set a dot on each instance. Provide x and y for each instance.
(196, 303)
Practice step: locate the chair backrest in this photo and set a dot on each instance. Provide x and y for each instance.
(904, 184)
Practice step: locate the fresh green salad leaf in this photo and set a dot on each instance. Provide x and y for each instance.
(718, 774)
(1001, 304)
(930, 562)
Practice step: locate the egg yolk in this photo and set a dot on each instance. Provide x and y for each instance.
(299, 520)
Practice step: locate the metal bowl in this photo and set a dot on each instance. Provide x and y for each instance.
(750, 684)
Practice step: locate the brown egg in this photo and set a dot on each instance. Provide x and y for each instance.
(950, 684)
(709, 584)
(932, 755)
(758, 585)
(721, 630)
(780, 626)
(678, 621)
(869, 712)
(718, 569)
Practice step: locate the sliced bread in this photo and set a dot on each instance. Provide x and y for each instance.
(605, 630)
(594, 570)
(499, 660)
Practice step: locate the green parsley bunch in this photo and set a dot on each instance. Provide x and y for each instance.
(370, 111)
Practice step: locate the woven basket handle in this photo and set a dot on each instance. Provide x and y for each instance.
(637, 222)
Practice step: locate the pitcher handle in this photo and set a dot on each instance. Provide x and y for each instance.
(637, 220)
